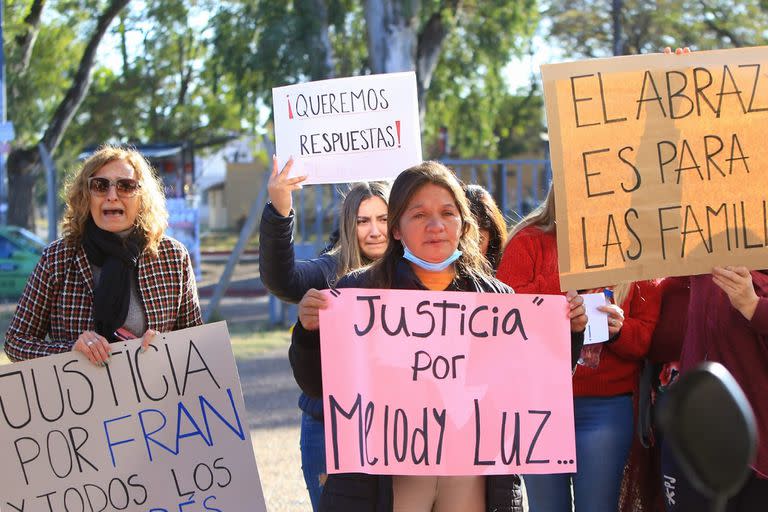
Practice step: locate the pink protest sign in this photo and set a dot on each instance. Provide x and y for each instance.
(446, 383)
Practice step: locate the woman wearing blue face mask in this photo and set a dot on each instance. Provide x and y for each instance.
(433, 245)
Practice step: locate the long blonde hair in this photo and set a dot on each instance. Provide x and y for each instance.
(347, 250)
(543, 216)
(621, 291)
(471, 264)
(152, 217)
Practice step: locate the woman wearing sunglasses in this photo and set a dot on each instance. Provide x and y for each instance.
(114, 275)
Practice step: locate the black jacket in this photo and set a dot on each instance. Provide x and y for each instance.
(358, 492)
(286, 278)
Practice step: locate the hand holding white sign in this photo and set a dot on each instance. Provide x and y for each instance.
(161, 430)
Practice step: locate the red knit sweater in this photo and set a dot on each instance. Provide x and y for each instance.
(529, 265)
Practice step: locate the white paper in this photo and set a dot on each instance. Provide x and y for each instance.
(597, 321)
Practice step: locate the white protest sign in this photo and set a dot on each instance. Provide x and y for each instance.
(159, 431)
(344, 130)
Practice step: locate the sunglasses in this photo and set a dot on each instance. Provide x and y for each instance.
(125, 187)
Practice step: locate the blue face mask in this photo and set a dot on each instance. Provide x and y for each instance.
(426, 265)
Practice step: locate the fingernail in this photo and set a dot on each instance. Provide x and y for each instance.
(143, 349)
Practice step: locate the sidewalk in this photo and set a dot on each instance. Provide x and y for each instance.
(245, 281)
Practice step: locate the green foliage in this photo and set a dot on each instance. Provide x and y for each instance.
(165, 88)
(201, 69)
(469, 95)
(584, 28)
(33, 95)
(263, 44)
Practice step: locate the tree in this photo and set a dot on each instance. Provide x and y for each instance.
(274, 43)
(585, 28)
(49, 126)
(167, 86)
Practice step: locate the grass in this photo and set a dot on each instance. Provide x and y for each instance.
(252, 339)
(225, 241)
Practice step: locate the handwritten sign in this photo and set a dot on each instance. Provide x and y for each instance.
(344, 130)
(158, 431)
(659, 164)
(446, 383)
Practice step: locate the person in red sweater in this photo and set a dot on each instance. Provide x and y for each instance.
(604, 382)
(727, 321)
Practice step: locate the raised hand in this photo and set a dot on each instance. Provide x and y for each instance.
(280, 187)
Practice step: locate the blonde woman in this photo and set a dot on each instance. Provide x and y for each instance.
(114, 274)
(605, 379)
(362, 237)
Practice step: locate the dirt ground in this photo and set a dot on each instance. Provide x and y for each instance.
(271, 397)
(270, 400)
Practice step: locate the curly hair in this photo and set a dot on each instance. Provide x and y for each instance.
(152, 217)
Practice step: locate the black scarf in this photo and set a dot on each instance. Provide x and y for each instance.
(118, 258)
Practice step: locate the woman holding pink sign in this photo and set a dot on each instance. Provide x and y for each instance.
(433, 245)
(605, 378)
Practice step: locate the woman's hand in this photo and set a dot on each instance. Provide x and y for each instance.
(95, 347)
(736, 282)
(615, 318)
(576, 311)
(147, 339)
(309, 309)
(280, 187)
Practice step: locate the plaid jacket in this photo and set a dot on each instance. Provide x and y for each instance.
(58, 299)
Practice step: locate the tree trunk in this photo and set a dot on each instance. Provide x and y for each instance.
(430, 46)
(319, 37)
(24, 163)
(395, 43)
(617, 6)
(27, 39)
(392, 34)
(21, 186)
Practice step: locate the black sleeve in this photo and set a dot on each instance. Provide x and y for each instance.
(577, 341)
(304, 355)
(304, 352)
(283, 276)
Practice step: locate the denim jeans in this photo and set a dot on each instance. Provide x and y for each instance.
(604, 430)
(312, 444)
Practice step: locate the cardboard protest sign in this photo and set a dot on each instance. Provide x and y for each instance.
(446, 383)
(659, 164)
(344, 130)
(159, 431)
